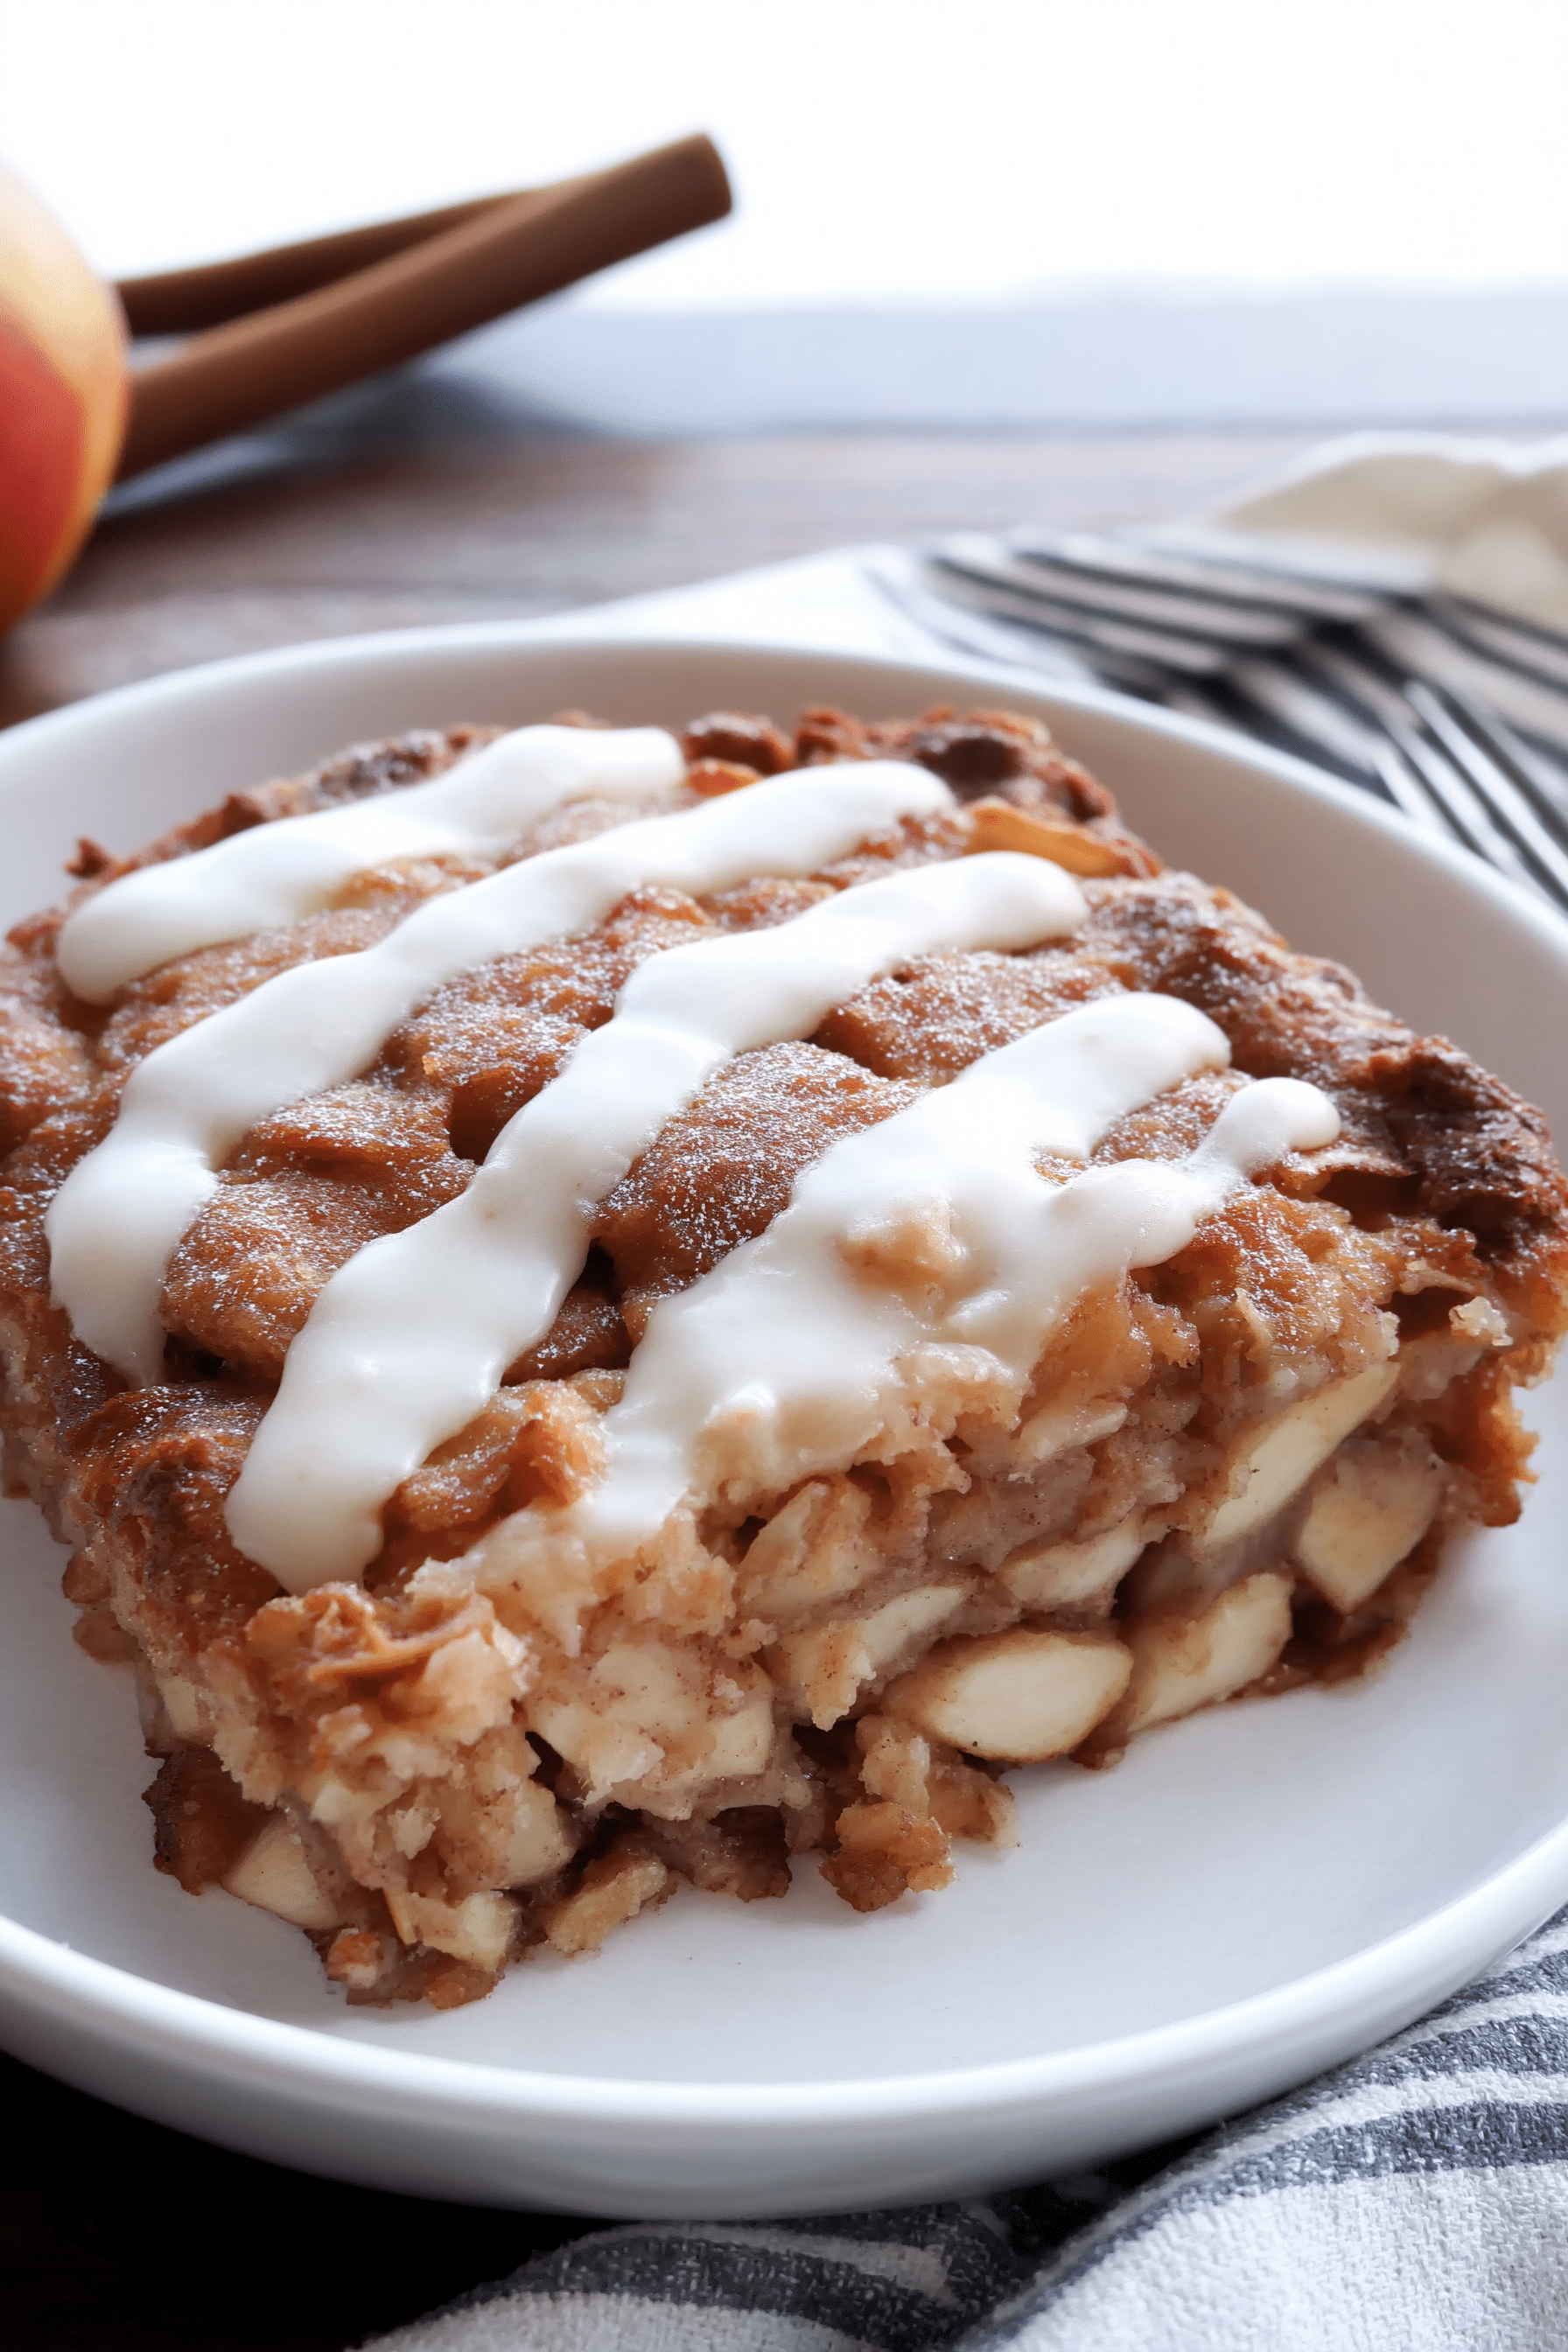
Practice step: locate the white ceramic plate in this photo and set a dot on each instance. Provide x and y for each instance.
(1253, 1895)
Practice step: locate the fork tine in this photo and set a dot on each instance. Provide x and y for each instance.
(1500, 744)
(1405, 789)
(1498, 792)
(1464, 808)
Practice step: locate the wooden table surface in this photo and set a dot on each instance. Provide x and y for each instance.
(424, 499)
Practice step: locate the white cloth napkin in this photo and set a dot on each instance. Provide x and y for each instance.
(1484, 519)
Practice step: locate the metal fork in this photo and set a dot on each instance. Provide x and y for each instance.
(1457, 770)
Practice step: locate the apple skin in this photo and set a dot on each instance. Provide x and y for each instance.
(64, 394)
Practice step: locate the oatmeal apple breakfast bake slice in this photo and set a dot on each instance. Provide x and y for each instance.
(598, 1307)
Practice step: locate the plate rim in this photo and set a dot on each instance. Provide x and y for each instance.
(1440, 1952)
(1486, 1922)
(618, 629)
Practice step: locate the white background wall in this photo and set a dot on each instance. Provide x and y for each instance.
(902, 151)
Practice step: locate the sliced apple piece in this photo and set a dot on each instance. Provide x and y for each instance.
(1015, 1697)
(1183, 1664)
(997, 825)
(813, 1549)
(1066, 1575)
(1370, 1506)
(824, 1671)
(1273, 1463)
(273, 1874)
(541, 1838)
(478, 1930)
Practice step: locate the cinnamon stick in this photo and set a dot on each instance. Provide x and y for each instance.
(181, 302)
(512, 251)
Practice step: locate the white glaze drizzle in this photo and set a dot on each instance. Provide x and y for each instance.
(782, 1362)
(275, 874)
(114, 1224)
(412, 1338)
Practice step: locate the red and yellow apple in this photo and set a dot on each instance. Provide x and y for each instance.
(63, 397)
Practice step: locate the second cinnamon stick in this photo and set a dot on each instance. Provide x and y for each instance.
(513, 252)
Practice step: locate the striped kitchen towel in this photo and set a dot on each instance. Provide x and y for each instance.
(1414, 2201)
(1305, 614)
